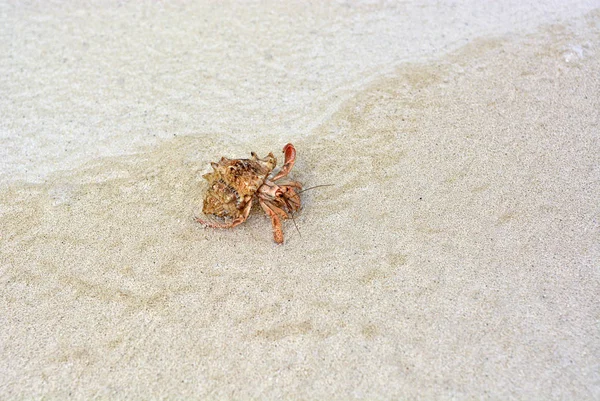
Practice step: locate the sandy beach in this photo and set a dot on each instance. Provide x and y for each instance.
(454, 256)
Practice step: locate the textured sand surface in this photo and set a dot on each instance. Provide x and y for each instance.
(455, 257)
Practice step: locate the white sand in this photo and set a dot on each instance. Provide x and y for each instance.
(456, 257)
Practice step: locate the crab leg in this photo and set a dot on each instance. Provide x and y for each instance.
(231, 224)
(290, 159)
(275, 221)
(286, 182)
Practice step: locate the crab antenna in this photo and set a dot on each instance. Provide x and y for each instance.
(290, 211)
(316, 186)
(295, 225)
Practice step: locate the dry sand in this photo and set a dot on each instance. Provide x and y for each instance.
(455, 257)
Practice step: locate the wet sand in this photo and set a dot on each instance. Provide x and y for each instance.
(454, 257)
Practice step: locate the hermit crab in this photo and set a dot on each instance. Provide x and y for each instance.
(235, 183)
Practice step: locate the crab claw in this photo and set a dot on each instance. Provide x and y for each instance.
(290, 158)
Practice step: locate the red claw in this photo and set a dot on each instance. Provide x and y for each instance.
(290, 152)
(290, 158)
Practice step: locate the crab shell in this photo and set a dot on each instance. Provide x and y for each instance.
(234, 182)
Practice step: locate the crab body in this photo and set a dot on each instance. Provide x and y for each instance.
(234, 184)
